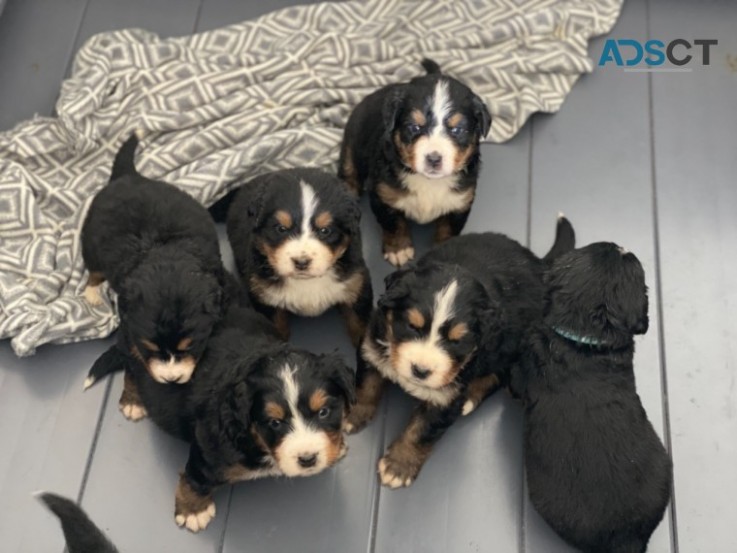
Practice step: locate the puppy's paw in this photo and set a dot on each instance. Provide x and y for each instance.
(359, 416)
(469, 407)
(194, 522)
(396, 472)
(399, 257)
(93, 296)
(133, 411)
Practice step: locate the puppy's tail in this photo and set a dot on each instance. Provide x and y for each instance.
(113, 360)
(565, 239)
(124, 160)
(431, 66)
(81, 534)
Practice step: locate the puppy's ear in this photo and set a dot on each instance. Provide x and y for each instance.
(390, 110)
(482, 115)
(626, 308)
(234, 411)
(340, 374)
(397, 287)
(214, 304)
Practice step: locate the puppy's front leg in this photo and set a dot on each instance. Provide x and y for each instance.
(130, 403)
(194, 507)
(478, 390)
(405, 457)
(450, 225)
(357, 314)
(369, 387)
(396, 238)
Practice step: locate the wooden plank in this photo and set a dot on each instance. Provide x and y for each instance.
(592, 161)
(695, 129)
(46, 429)
(36, 42)
(468, 496)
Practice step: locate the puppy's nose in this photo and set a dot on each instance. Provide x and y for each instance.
(419, 372)
(301, 263)
(434, 160)
(307, 461)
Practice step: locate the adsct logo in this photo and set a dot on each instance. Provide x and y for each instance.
(651, 55)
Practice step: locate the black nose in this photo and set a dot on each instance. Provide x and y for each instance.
(307, 461)
(434, 159)
(301, 263)
(419, 372)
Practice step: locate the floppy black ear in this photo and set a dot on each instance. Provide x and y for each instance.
(483, 117)
(234, 411)
(396, 287)
(627, 309)
(340, 374)
(390, 110)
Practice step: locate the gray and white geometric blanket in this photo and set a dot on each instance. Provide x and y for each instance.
(220, 107)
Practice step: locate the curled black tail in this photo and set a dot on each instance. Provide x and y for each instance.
(431, 66)
(124, 159)
(113, 360)
(565, 239)
(81, 534)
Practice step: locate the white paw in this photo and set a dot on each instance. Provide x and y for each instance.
(194, 522)
(132, 411)
(468, 407)
(390, 479)
(93, 296)
(400, 257)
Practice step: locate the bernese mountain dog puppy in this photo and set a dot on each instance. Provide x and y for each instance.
(80, 533)
(296, 240)
(596, 470)
(447, 331)
(158, 248)
(415, 148)
(255, 407)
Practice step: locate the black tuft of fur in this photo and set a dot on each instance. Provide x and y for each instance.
(124, 164)
(81, 534)
(431, 66)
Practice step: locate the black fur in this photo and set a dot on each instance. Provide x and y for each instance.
(81, 534)
(596, 470)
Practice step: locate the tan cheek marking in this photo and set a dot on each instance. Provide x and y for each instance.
(324, 219)
(341, 249)
(272, 254)
(283, 218)
(462, 156)
(274, 410)
(457, 331)
(318, 399)
(415, 318)
(406, 151)
(455, 119)
(184, 344)
(334, 447)
(418, 117)
(149, 345)
(456, 368)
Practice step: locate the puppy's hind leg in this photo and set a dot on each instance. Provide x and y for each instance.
(130, 403)
(478, 390)
(357, 314)
(369, 387)
(92, 289)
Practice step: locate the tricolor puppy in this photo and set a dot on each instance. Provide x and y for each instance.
(596, 470)
(297, 245)
(415, 148)
(158, 248)
(255, 407)
(80, 533)
(447, 332)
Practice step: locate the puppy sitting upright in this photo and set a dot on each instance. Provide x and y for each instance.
(158, 248)
(415, 148)
(448, 331)
(596, 470)
(297, 245)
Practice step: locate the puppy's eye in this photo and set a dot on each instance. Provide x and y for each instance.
(325, 231)
(275, 424)
(457, 131)
(281, 229)
(414, 128)
(324, 412)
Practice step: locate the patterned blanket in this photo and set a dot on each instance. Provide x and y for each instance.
(219, 107)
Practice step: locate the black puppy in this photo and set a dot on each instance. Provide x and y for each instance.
(81, 534)
(448, 331)
(255, 407)
(596, 470)
(297, 245)
(158, 248)
(415, 148)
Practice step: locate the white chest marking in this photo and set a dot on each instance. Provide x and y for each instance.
(309, 297)
(427, 199)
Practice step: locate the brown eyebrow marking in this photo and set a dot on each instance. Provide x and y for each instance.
(149, 345)
(415, 318)
(274, 410)
(418, 117)
(455, 119)
(184, 343)
(284, 218)
(318, 399)
(323, 220)
(457, 331)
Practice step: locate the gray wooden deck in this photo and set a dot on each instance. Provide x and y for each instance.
(646, 160)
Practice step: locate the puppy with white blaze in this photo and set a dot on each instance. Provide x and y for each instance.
(596, 470)
(297, 245)
(447, 331)
(415, 148)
